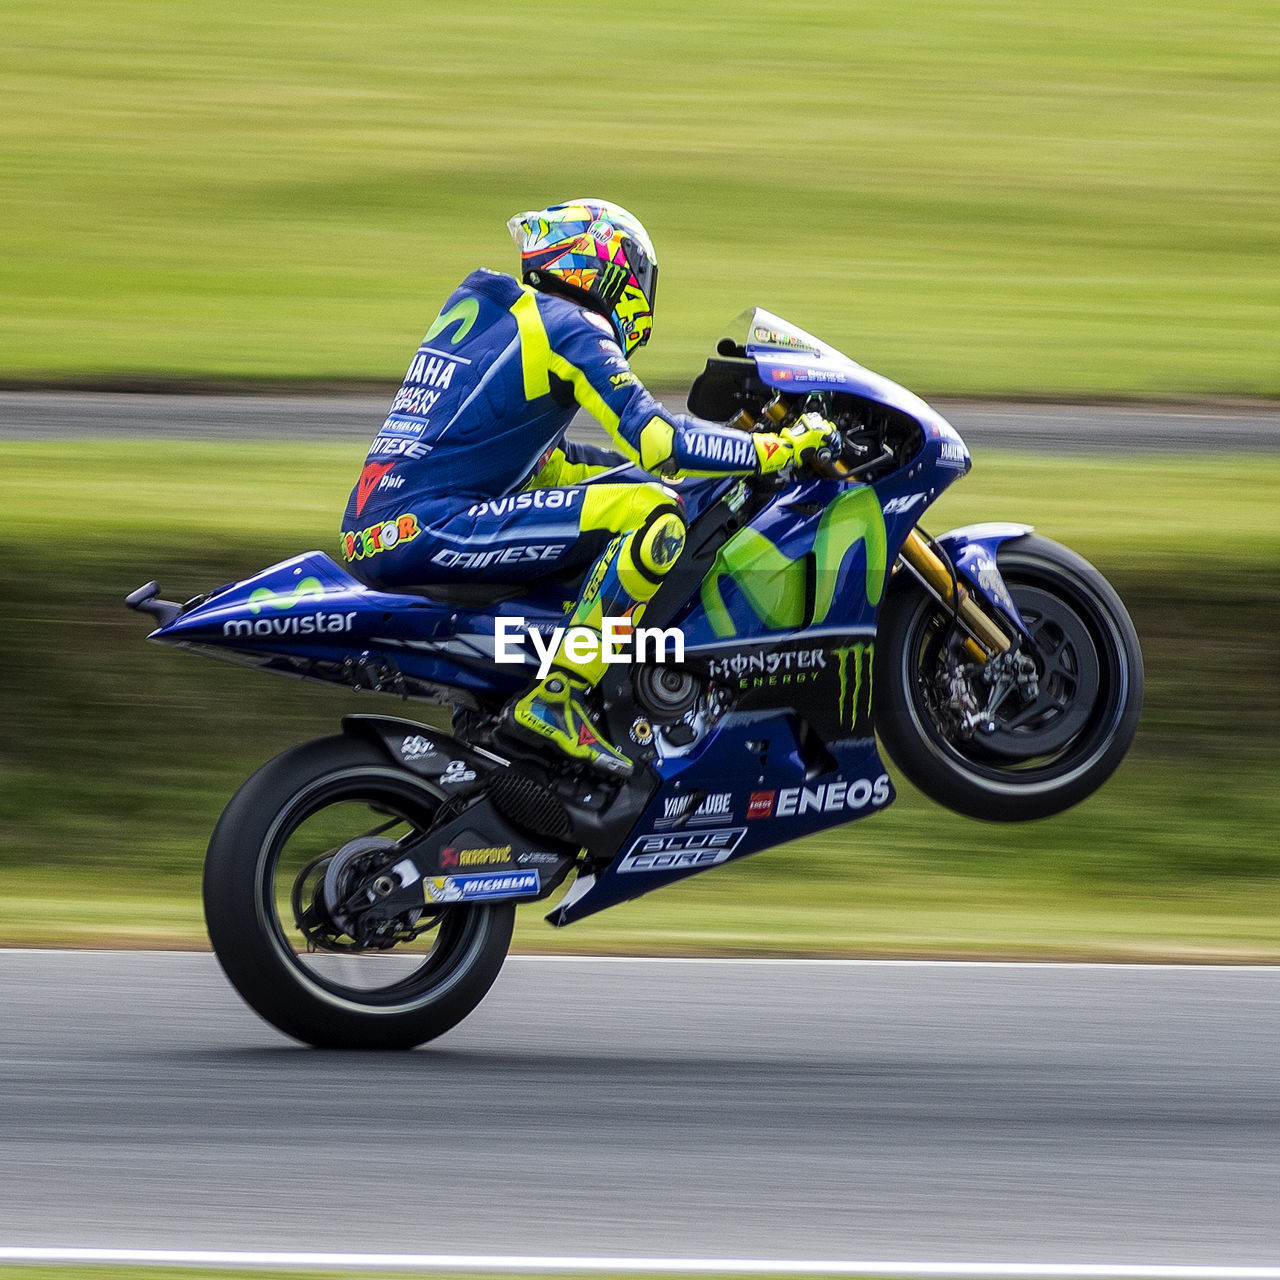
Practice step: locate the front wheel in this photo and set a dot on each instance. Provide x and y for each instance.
(1047, 745)
(302, 831)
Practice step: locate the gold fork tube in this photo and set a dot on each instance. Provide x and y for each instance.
(937, 576)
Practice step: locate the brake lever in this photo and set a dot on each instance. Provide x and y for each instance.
(829, 465)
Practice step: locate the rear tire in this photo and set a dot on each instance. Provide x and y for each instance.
(1042, 758)
(272, 844)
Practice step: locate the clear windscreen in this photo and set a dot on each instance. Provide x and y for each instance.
(758, 330)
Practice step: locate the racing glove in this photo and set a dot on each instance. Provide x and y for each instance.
(795, 445)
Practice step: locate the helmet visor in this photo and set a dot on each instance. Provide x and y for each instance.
(643, 268)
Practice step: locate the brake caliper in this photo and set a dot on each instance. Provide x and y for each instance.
(963, 686)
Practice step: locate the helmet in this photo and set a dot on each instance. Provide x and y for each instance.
(597, 254)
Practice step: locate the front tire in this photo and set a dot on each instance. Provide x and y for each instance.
(1035, 760)
(268, 854)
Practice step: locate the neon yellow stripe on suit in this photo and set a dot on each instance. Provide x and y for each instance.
(538, 361)
(637, 584)
(657, 440)
(535, 346)
(559, 472)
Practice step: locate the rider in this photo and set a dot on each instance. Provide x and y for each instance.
(471, 480)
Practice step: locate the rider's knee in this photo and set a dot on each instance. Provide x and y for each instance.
(660, 541)
(650, 552)
(623, 508)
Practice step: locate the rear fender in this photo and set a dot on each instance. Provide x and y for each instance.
(426, 752)
(478, 855)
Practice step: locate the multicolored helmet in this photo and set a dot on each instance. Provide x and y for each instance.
(595, 253)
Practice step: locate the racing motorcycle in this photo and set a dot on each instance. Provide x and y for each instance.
(360, 890)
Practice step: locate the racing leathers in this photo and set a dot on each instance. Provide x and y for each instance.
(470, 478)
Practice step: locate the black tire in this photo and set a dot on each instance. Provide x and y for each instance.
(275, 832)
(1042, 758)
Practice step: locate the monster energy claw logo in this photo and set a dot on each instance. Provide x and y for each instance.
(856, 660)
(613, 279)
(264, 596)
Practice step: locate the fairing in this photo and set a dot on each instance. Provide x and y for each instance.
(783, 620)
(308, 617)
(793, 361)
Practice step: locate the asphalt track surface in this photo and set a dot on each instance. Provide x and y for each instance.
(33, 415)
(686, 1109)
(697, 1109)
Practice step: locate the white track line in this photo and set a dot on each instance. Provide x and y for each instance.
(516, 957)
(428, 1262)
(1175, 966)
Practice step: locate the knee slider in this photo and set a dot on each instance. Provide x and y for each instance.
(658, 543)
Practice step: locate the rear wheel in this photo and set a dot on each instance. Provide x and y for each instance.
(1046, 745)
(284, 864)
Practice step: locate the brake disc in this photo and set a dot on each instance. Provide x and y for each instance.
(357, 861)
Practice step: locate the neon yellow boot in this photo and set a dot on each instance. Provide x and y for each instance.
(552, 711)
(619, 585)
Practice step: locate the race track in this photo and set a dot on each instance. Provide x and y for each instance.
(34, 415)
(658, 1109)
(1028, 1114)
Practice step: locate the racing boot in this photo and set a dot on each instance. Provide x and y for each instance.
(553, 712)
(619, 585)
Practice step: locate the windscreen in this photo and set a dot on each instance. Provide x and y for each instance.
(758, 330)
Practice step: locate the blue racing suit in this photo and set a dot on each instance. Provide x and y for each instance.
(470, 477)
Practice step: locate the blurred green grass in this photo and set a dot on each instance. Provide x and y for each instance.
(991, 197)
(117, 756)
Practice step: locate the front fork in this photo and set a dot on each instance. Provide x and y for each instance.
(986, 638)
(999, 668)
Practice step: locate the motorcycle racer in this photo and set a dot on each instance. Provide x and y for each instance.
(471, 480)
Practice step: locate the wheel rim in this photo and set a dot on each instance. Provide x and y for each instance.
(1083, 681)
(1069, 677)
(330, 814)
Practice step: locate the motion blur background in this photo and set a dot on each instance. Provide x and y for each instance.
(994, 199)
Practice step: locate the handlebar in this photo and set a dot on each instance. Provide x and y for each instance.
(833, 464)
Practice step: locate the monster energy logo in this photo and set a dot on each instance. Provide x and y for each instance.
(781, 662)
(613, 279)
(264, 596)
(778, 587)
(855, 662)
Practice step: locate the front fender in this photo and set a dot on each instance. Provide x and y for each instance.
(973, 549)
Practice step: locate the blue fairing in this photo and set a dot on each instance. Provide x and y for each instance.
(308, 617)
(790, 749)
(751, 775)
(794, 362)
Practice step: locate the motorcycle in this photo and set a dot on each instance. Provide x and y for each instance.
(360, 890)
